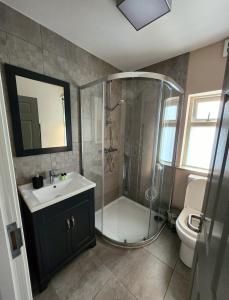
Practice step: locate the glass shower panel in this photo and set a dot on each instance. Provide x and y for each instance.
(92, 122)
(163, 179)
(129, 134)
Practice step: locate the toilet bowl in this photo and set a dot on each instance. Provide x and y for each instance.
(192, 206)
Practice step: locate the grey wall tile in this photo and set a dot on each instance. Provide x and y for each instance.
(77, 55)
(28, 166)
(14, 22)
(54, 43)
(24, 54)
(74, 101)
(175, 67)
(65, 161)
(3, 47)
(55, 66)
(26, 44)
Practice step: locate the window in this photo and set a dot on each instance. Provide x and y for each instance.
(168, 131)
(201, 118)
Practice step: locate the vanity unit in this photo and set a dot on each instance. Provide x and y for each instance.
(58, 223)
(58, 218)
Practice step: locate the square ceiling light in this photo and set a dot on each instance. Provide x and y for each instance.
(142, 12)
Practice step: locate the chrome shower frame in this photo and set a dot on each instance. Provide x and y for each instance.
(104, 80)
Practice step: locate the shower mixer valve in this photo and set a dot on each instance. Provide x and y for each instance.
(110, 149)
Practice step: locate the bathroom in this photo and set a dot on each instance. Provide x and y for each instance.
(132, 146)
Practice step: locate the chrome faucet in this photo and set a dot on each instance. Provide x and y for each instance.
(52, 176)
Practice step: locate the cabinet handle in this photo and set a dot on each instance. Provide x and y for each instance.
(68, 224)
(73, 222)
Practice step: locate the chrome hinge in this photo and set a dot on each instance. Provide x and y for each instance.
(15, 238)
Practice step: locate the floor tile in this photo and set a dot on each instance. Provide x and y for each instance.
(113, 273)
(48, 294)
(81, 279)
(114, 290)
(178, 288)
(166, 247)
(140, 271)
(114, 258)
(144, 275)
(183, 270)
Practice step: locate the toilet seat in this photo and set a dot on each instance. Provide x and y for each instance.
(185, 233)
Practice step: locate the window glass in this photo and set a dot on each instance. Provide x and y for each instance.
(199, 146)
(199, 135)
(167, 143)
(170, 112)
(207, 110)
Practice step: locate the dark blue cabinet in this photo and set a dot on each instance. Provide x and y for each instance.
(56, 234)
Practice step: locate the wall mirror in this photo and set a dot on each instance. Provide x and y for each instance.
(41, 113)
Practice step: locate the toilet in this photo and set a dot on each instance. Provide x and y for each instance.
(192, 206)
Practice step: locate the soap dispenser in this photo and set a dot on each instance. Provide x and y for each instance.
(37, 181)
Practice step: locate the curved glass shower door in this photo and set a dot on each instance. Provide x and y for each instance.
(128, 150)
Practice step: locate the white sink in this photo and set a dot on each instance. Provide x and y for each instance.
(53, 193)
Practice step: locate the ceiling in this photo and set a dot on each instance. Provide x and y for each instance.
(100, 28)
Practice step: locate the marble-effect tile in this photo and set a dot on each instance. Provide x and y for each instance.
(178, 288)
(82, 279)
(15, 23)
(53, 42)
(24, 54)
(29, 45)
(166, 248)
(48, 294)
(114, 290)
(3, 47)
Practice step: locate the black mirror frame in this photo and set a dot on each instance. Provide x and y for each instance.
(10, 73)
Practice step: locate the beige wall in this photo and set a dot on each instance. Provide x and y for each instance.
(206, 69)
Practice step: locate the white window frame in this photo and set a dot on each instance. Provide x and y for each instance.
(190, 121)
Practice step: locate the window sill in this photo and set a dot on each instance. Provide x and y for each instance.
(202, 172)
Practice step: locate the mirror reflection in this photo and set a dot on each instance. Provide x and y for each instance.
(42, 114)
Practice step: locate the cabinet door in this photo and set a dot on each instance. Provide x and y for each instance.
(55, 237)
(82, 222)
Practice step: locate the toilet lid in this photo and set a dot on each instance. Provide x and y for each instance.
(195, 194)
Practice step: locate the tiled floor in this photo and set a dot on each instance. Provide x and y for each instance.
(106, 273)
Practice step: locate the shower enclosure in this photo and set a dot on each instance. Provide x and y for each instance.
(129, 130)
